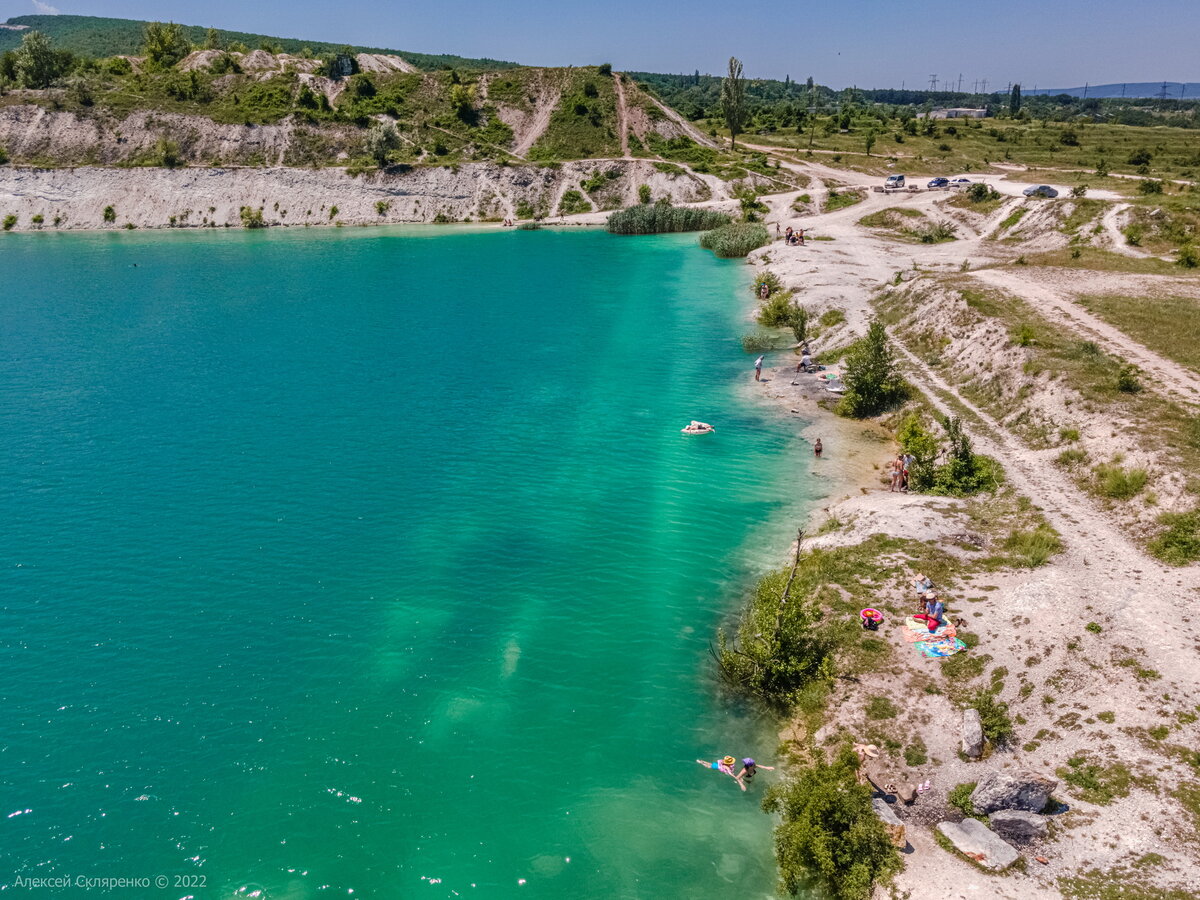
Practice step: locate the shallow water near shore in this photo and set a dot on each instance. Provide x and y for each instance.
(372, 562)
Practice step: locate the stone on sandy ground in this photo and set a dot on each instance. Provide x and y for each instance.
(972, 734)
(975, 840)
(1003, 790)
(891, 822)
(1016, 824)
(907, 793)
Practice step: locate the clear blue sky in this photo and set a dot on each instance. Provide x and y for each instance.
(871, 43)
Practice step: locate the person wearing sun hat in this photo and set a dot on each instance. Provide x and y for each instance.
(725, 764)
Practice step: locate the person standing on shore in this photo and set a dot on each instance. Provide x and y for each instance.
(758, 367)
(817, 448)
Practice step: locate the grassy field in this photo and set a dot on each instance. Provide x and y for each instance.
(1169, 325)
(980, 144)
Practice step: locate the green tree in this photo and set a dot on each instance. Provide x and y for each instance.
(829, 830)
(1014, 100)
(916, 440)
(35, 63)
(462, 99)
(873, 381)
(382, 139)
(164, 44)
(869, 140)
(733, 99)
(212, 39)
(780, 646)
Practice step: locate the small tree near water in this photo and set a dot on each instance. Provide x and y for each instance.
(829, 831)
(872, 379)
(382, 139)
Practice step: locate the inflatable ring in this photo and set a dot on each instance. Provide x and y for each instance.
(870, 613)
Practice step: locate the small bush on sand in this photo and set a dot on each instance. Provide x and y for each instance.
(1033, 548)
(1119, 483)
(1127, 380)
(251, 217)
(662, 218)
(993, 714)
(1179, 543)
(9, 221)
(110, 214)
(572, 203)
(828, 831)
(731, 241)
(960, 798)
(1188, 257)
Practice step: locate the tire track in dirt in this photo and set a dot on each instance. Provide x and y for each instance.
(622, 114)
(1061, 310)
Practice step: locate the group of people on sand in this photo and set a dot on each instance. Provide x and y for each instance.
(726, 765)
(793, 237)
(899, 469)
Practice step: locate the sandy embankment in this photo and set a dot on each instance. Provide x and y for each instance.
(196, 197)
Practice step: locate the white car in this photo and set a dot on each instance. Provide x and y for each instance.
(960, 180)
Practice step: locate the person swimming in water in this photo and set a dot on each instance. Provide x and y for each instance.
(749, 768)
(725, 765)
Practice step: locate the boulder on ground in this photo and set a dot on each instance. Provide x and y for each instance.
(1016, 824)
(907, 792)
(973, 839)
(972, 734)
(891, 822)
(1003, 790)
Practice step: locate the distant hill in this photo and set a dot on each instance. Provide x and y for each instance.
(1175, 90)
(100, 37)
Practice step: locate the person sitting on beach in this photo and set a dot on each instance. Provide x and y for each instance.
(787, 235)
(749, 768)
(724, 765)
(934, 610)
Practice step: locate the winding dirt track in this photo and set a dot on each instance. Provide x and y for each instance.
(622, 114)
(1168, 374)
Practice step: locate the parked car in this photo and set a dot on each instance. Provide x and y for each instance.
(938, 182)
(960, 180)
(894, 181)
(1040, 190)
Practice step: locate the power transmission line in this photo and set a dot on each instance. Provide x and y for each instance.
(932, 82)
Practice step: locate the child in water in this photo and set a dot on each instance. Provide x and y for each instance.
(724, 765)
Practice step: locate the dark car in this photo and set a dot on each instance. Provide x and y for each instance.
(938, 182)
(1040, 190)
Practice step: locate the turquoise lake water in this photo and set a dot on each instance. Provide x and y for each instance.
(372, 563)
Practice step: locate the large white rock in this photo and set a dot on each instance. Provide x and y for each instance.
(974, 839)
(1003, 790)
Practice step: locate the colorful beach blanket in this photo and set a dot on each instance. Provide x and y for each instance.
(941, 648)
(916, 630)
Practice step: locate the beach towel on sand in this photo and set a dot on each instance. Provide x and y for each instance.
(916, 630)
(941, 648)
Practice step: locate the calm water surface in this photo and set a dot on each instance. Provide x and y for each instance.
(373, 563)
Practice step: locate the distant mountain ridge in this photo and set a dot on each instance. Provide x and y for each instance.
(1175, 90)
(102, 37)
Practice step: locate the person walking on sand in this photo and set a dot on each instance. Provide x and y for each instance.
(758, 367)
(724, 765)
(817, 448)
(896, 469)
